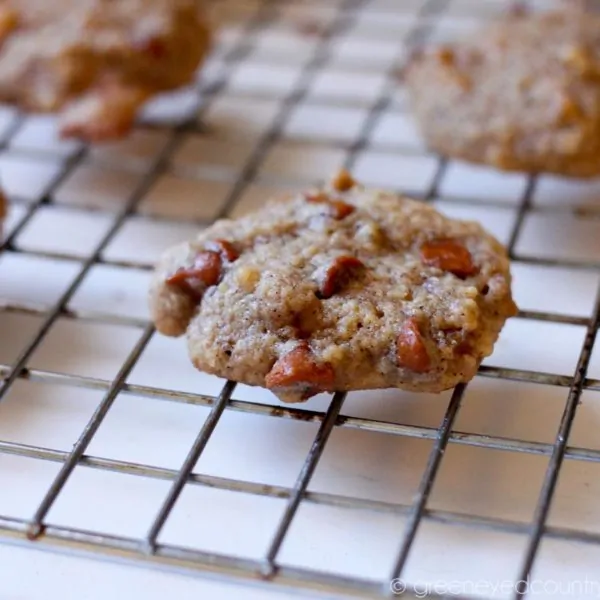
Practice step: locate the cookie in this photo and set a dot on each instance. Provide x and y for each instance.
(97, 61)
(335, 289)
(523, 94)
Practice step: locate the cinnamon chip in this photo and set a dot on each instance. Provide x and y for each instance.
(343, 181)
(340, 210)
(445, 55)
(194, 280)
(335, 208)
(154, 47)
(206, 270)
(337, 274)
(299, 369)
(449, 255)
(411, 351)
(9, 21)
(226, 249)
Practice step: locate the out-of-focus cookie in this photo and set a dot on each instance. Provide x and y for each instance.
(97, 61)
(523, 94)
(335, 289)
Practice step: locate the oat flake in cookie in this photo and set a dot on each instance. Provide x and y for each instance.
(523, 94)
(97, 61)
(337, 289)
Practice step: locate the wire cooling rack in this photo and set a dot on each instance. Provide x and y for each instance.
(111, 445)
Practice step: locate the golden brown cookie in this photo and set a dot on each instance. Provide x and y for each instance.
(336, 289)
(523, 94)
(97, 61)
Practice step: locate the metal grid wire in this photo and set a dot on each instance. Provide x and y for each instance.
(268, 570)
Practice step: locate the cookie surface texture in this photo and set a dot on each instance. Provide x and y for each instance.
(523, 94)
(335, 289)
(97, 61)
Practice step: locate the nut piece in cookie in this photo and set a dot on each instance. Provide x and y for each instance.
(96, 62)
(507, 98)
(303, 297)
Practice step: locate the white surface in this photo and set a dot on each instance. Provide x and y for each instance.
(37, 575)
(266, 450)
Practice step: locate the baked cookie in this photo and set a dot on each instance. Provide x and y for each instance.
(339, 288)
(523, 94)
(97, 61)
